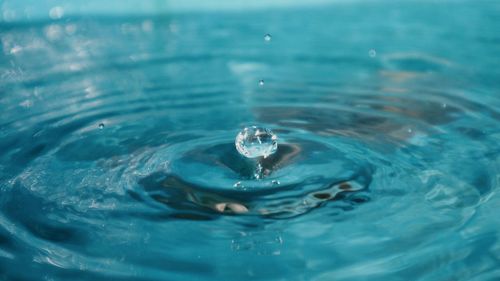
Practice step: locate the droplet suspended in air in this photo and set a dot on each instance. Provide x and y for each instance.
(238, 185)
(15, 50)
(275, 182)
(101, 126)
(372, 53)
(261, 82)
(253, 142)
(56, 13)
(267, 37)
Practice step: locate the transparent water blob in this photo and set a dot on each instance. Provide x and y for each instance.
(372, 53)
(267, 37)
(15, 50)
(101, 126)
(254, 142)
(261, 82)
(56, 12)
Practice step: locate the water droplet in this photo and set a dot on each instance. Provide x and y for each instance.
(53, 32)
(267, 37)
(261, 82)
(26, 103)
(444, 105)
(101, 126)
(410, 130)
(238, 185)
(56, 12)
(258, 174)
(15, 50)
(253, 142)
(275, 182)
(372, 53)
(279, 239)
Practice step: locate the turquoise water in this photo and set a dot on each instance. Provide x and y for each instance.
(118, 159)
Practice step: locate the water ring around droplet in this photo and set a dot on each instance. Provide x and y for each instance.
(306, 170)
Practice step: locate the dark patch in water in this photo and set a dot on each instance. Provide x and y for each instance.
(33, 213)
(189, 201)
(322, 196)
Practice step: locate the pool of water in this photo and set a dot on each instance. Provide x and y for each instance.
(118, 159)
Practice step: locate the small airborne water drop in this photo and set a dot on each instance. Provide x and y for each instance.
(267, 37)
(56, 12)
(372, 53)
(253, 142)
(261, 82)
(101, 126)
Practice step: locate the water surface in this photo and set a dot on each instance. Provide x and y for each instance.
(118, 158)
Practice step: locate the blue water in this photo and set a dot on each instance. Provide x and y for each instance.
(118, 159)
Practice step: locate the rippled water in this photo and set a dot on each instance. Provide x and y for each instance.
(118, 158)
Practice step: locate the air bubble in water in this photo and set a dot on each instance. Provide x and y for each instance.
(253, 142)
(372, 53)
(267, 37)
(101, 126)
(261, 82)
